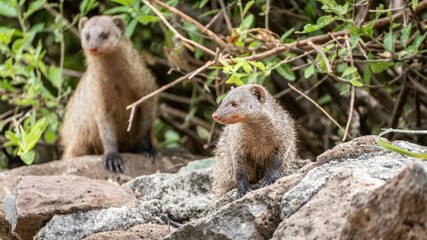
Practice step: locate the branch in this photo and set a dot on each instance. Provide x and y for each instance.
(202, 28)
(177, 34)
(318, 106)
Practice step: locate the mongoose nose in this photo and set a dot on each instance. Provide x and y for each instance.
(215, 116)
(93, 49)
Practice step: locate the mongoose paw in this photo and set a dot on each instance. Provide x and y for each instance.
(148, 149)
(113, 162)
(269, 179)
(242, 189)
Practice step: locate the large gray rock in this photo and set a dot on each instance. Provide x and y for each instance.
(255, 216)
(181, 196)
(84, 224)
(38, 198)
(397, 210)
(317, 207)
(92, 167)
(144, 231)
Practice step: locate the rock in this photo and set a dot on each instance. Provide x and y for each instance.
(255, 216)
(197, 164)
(181, 196)
(38, 198)
(89, 166)
(397, 210)
(83, 224)
(145, 231)
(317, 207)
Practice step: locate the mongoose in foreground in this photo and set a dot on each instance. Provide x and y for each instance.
(258, 141)
(96, 117)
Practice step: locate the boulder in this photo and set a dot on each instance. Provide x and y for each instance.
(397, 210)
(255, 216)
(317, 207)
(37, 198)
(92, 167)
(145, 231)
(180, 196)
(83, 224)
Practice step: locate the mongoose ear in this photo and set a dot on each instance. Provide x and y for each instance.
(259, 92)
(82, 23)
(120, 23)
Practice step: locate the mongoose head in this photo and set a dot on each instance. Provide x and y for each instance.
(101, 34)
(240, 104)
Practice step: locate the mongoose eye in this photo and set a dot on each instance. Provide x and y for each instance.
(87, 36)
(234, 104)
(104, 35)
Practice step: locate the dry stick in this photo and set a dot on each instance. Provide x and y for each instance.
(177, 34)
(202, 28)
(325, 58)
(267, 13)
(350, 115)
(317, 105)
(224, 13)
(163, 88)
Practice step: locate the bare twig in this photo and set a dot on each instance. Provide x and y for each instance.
(350, 115)
(325, 58)
(177, 34)
(171, 84)
(267, 14)
(318, 106)
(226, 18)
(202, 28)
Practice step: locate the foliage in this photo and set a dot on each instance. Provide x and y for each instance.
(362, 62)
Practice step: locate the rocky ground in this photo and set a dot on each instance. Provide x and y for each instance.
(354, 191)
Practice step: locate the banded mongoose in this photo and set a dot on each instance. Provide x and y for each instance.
(258, 141)
(96, 117)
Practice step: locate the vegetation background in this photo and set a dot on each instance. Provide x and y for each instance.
(342, 68)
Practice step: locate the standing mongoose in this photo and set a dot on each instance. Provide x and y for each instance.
(258, 141)
(96, 117)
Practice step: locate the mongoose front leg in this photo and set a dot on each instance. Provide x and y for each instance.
(273, 171)
(111, 156)
(145, 146)
(242, 181)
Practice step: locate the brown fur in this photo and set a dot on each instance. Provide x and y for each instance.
(96, 116)
(259, 140)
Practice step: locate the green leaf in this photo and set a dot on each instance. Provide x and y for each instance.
(378, 67)
(321, 23)
(28, 157)
(286, 72)
(309, 71)
(55, 76)
(247, 6)
(34, 6)
(356, 83)
(333, 6)
(389, 41)
(147, 19)
(247, 67)
(406, 30)
(367, 75)
(202, 132)
(234, 79)
(286, 34)
(258, 64)
(130, 29)
(248, 22)
(414, 47)
(414, 4)
(124, 2)
(87, 5)
(348, 71)
(7, 9)
(387, 145)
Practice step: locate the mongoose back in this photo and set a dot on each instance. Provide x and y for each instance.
(258, 141)
(96, 116)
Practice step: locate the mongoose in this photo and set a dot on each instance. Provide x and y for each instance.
(258, 141)
(96, 117)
